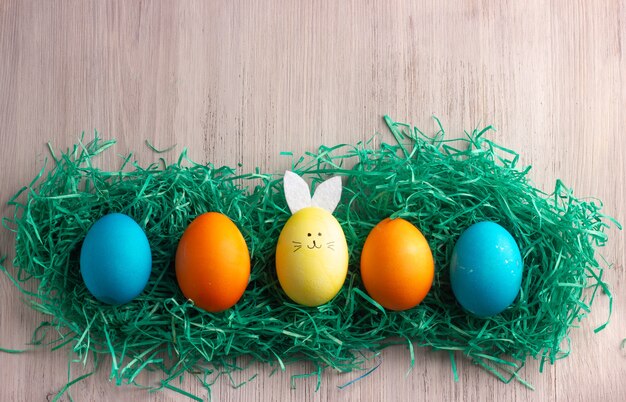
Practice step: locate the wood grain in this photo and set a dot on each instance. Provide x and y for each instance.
(238, 82)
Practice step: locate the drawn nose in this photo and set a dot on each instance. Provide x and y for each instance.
(314, 245)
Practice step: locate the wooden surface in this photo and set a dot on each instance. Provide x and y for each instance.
(241, 81)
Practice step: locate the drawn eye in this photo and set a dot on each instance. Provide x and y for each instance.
(308, 234)
(319, 234)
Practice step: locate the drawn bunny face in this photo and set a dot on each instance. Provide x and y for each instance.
(313, 241)
(312, 253)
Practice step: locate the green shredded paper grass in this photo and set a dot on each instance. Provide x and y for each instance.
(440, 185)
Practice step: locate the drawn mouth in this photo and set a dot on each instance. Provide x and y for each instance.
(314, 246)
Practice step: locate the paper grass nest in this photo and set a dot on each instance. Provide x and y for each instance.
(442, 186)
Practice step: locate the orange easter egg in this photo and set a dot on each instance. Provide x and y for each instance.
(213, 262)
(397, 265)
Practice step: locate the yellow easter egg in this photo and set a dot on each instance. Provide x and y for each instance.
(312, 257)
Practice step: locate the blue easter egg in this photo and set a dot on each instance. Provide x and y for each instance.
(486, 269)
(115, 259)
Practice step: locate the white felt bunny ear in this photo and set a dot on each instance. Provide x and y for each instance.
(297, 192)
(328, 194)
(298, 195)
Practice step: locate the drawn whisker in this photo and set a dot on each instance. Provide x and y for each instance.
(297, 248)
(296, 242)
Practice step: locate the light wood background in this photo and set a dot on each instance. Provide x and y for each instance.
(239, 81)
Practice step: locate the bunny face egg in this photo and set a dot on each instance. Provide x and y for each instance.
(312, 257)
(115, 259)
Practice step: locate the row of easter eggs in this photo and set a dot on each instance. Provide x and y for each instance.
(213, 262)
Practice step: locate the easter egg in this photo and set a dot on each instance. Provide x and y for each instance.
(115, 259)
(486, 269)
(312, 257)
(397, 266)
(212, 262)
